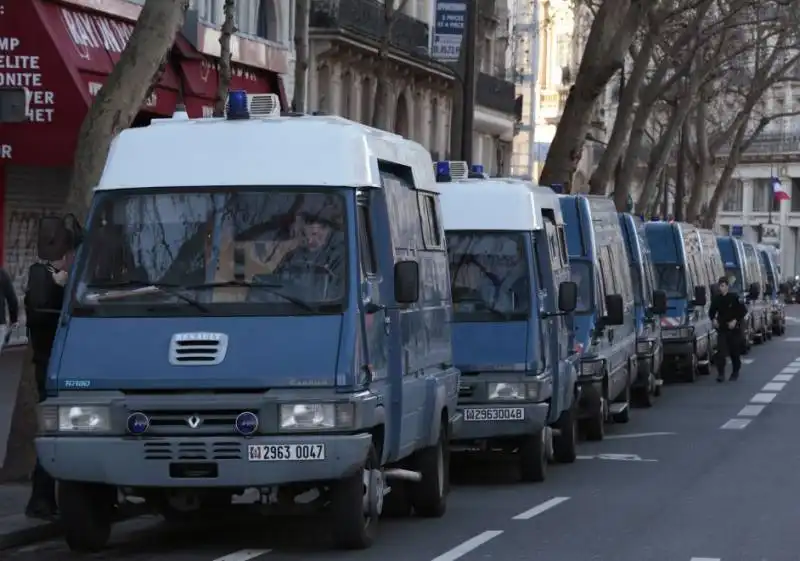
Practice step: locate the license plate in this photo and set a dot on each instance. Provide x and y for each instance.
(497, 414)
(285, 452)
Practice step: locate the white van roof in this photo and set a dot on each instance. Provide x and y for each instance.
(306, 150)
(495, 204)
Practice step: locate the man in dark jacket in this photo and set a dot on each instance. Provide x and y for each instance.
(43, 300)
(727, 312)
(8, 302)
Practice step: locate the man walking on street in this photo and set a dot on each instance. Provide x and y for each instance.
(727, 313)
(43, 300)
(9, 302)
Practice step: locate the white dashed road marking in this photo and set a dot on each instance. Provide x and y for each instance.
(466, 547)
(751, 410)
(789, 370)
(792, 339)
(748, 360)
(773, 387)
(705, 559)
(783, 378)
(736, 424)
(637, 435)
(763, 398)
(538, 509)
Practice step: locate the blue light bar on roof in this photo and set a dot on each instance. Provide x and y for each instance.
(476, 168)
(443, 168)
(237, 105)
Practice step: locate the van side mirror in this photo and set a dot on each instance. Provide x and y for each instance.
(615, 310)
(567, 296)
(659, 302)
(406, 282)
(767, 291)
(754, 291)
(714, 288)
(700, 298)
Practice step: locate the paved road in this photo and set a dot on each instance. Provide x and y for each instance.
(707, 474)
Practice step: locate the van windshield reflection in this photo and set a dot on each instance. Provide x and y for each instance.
(671, 279)
(275, 252)
(488, 276)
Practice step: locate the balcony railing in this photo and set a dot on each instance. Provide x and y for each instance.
(495, 93)
(366, 18)
(770, 144)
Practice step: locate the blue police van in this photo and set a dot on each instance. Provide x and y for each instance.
(760, 311)
(264, 324)
(775, 287)
(605, 318)
(511, 290)
(742, 281)
(686, 330)
(649, 304)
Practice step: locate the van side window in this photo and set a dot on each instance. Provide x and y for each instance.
(430, 221)
(366, 247)
(401, 199)
(562, 242)
(606, 271)
(622, 279)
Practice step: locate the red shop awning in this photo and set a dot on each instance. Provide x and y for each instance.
(62, 55)
(200, 77)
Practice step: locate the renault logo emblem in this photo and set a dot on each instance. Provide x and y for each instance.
(194, 421)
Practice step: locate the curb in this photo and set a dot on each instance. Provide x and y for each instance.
(18, 530)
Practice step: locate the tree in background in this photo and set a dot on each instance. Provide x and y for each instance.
(121, 97)
(226, 33)
(301, 24)
(381, 108)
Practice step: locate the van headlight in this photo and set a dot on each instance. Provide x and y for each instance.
(310, 416)
(499, 391)
(75, 418)
(591, 368)
(644, 347)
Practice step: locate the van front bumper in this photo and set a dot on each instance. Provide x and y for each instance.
(205, 461)
(480, 421)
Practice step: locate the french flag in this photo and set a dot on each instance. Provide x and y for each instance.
(777, 190)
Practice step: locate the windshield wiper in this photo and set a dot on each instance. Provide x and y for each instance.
(145, 287)
(270, 287)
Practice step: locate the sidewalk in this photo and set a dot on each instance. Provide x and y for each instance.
(15, 528)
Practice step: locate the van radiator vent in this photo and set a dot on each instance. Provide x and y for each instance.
(189, 450)
(197, 349)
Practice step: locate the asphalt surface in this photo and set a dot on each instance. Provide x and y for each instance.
(672, 485)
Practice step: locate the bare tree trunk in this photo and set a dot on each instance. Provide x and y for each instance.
(122, 95)
(610, 37)
(680, 172)
(301, 25)
(622, 123)
(228, 29)
(703, 167)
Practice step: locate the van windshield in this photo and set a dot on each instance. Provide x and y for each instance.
(232, 252)
(734, 279)
(488, 276)
(671, 279)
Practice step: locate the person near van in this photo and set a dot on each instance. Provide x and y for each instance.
(43, 300)
(8, 302)
(727, 313)
(318, 256)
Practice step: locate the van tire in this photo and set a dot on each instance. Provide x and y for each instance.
(532, 454)
(565, 442)
(352, 528)
(691, 372)
(594, 428)
(86, 514)
(624, 416)
(429, 496)
(643, 397)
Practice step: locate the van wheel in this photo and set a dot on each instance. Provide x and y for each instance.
(691, 372)
(533, 457)
(594, 428)
(624, 416)
(354, 515)
(429, 496)
(87, 512)
(565, 442)
(644, 396)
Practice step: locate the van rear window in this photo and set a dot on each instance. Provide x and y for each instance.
(572, 227)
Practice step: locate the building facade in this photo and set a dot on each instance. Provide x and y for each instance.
(344, 49)
(61, 52)
(544, 60)
(495, 117)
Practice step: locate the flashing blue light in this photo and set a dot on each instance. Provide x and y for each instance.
(246, 423)
(237, 105)
(557, 188)
(476, 168)
(138, 423)
(443, 168)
